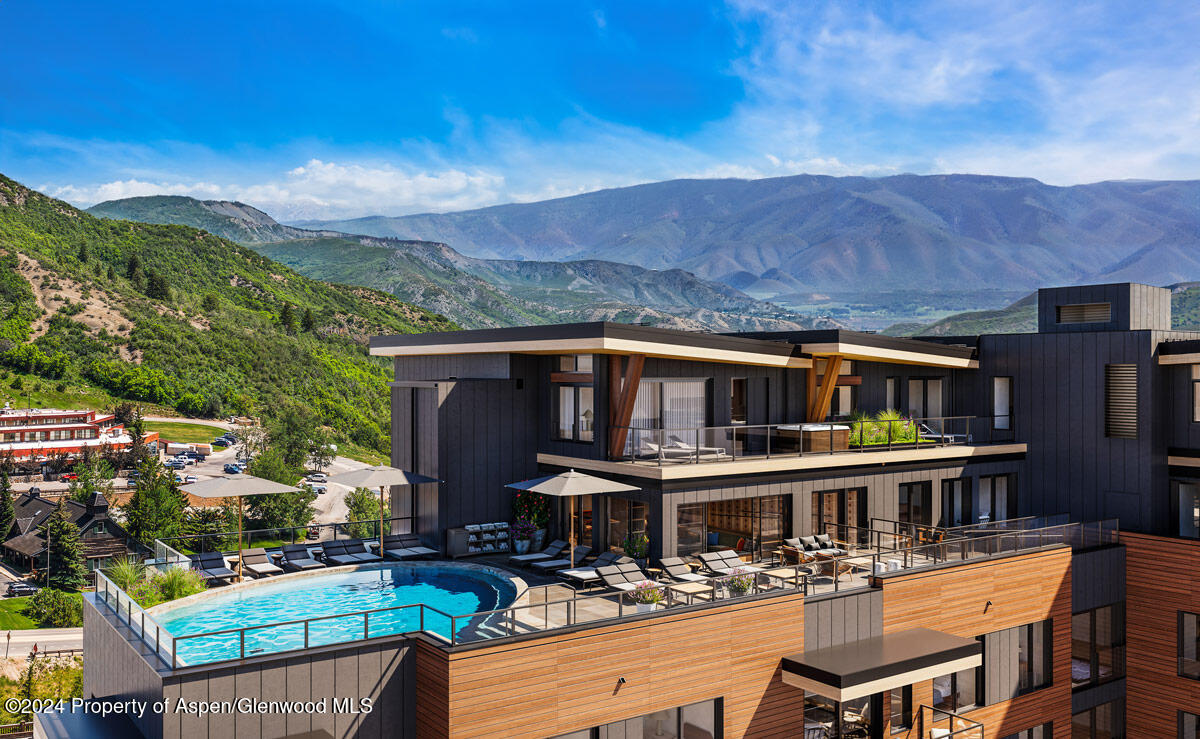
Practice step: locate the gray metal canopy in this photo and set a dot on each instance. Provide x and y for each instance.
(382, 477)
(571, 484)
(236, 486)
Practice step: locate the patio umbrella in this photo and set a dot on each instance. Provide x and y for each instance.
(382, 477)
(236, 486)
(570, 484)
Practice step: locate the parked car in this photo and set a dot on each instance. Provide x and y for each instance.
(320, 477)
(178, 479)
(232, 469)
(68, 476)
(18, 589)
(175, 464)
(189, 479)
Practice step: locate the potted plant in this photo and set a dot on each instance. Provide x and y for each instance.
(646, 594)
(522, 532)
(535, 508)
(637, 546)
(740, 582)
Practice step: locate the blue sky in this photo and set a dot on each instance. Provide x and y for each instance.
(312, 109)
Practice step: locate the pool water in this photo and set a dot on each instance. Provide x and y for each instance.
(455, 591)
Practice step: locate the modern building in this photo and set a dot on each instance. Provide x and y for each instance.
(986, 590)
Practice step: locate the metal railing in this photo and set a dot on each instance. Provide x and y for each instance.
(141, 625)
(226, 541)
(958, 726)
(728, 443)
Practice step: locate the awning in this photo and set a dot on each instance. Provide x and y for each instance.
(880, 663)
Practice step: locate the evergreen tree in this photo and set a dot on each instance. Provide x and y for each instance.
(67, 565)
(7, 512)
(83, 252)
(133, 267)
(157, 286)
(287, 318)
(111, 274)
(308, 322)
(210, 304)
(157, 509)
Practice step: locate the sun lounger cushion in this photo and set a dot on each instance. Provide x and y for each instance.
(551, 552)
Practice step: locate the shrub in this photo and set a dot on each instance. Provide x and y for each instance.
(178, 582)
(125, 572)
(55, 609)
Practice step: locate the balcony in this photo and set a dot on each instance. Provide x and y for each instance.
(673, 453)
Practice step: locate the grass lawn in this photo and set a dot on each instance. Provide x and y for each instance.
(12, 614)
(184, 433)
(362, 453)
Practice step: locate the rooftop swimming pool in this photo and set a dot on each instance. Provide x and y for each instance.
(263, 612)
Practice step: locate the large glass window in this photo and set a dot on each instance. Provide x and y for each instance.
(916, 503)
(1196, 393)
(900, 702)
(1189, 645)
(997, 500)
(1187, 505)
(852, 718)
(891, 393)
(1105, 721)
(738, 413)
(956, 692)
(695, 721)
(925, 397)
(1189, 725)
(1098, 645)
(574, 400)
(689, 529)
(957, 508)
(1045, 731)
(1034, 656)
(625, 518)
(1002, 402)
(756, 526)
(842, 514)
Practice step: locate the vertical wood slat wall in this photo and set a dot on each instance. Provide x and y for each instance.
(1162, 578)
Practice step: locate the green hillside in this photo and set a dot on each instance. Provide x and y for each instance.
(180, 317)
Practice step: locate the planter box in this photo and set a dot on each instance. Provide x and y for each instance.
(816, 437)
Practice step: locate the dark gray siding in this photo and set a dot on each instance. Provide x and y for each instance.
(1097, 578)
(115, 666)
(1134, 307)
(835, 620)
(489, 366)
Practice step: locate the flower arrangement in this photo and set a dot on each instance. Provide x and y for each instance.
(532, 507)
(636, 545)
(522, 529)
(740, 580)
(647, 592)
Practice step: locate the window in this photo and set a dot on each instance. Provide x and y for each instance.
(1186, 504)
(901, 709)
(925, 397)
(956, 502)
(695, 720)
(997, 497)
(1189, 725)
(1002, 403)
(749, 525)
(956, 692)
(1189, 645)
(1120, 401)
(1045, 731)
(737, 401)
(575, 363)
(574, 413)
(1105, 721)
(625, 517)
(1098, 645)
(1196, 393)
(1084, 313)
(671, 404)
(844, 400)
(891, 399)
(916, 503)
(1034, 656)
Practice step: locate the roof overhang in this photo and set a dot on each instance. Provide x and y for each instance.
(881, 663)
(1173, 359)
(595, 338)
(866, 353)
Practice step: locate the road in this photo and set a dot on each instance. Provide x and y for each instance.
(23, 640)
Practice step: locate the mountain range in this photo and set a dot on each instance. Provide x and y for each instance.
(782, 235)
(474, 292)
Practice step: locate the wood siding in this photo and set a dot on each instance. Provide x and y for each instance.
(1022, 589)
(1163, 579)
(547, 686)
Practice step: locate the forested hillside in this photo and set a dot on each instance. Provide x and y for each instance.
(180, 317)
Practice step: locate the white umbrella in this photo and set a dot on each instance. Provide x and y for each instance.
(382, 477)
(570, 484)
(235, 486)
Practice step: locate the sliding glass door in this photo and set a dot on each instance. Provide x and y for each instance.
(841, 514)
(754, 526)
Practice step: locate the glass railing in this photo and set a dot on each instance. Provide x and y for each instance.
(729, 443)
(227, 541)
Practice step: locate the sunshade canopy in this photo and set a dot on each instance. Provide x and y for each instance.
(571, 483)
(233, 486)
(876, 664)
(380, 476)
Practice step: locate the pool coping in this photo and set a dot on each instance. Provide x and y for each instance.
(158, 612)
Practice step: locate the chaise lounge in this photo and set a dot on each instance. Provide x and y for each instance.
(212, 566)
(259, 563)
(622, 577)
(678, 570)
(297, 558)
(553, 551)
(405, 546)
(724, 562)
(586, 576)
(548, 566)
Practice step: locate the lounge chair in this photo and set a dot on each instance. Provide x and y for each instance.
(358, 549)
(678, 570)
(694, 451)
(724, 561)
(661, 451)
(212, 566)
(586, 576)
(622, 577)
(334, 553)
(554, 565)
(404, 546)
(296, 558)
(259, 563)
(556, 548)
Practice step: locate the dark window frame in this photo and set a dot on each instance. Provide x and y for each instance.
(978, 698)
(1118, 715)
(895, 382)
(1025, 684)
(1011, 402)
(1118, 646)
(906, 710)
(576, 426)
(1182, 719)
(1182, 667)
(905, 489)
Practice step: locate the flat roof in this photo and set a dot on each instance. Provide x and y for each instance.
(599, 337)
(880, 663)
(874, 347)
